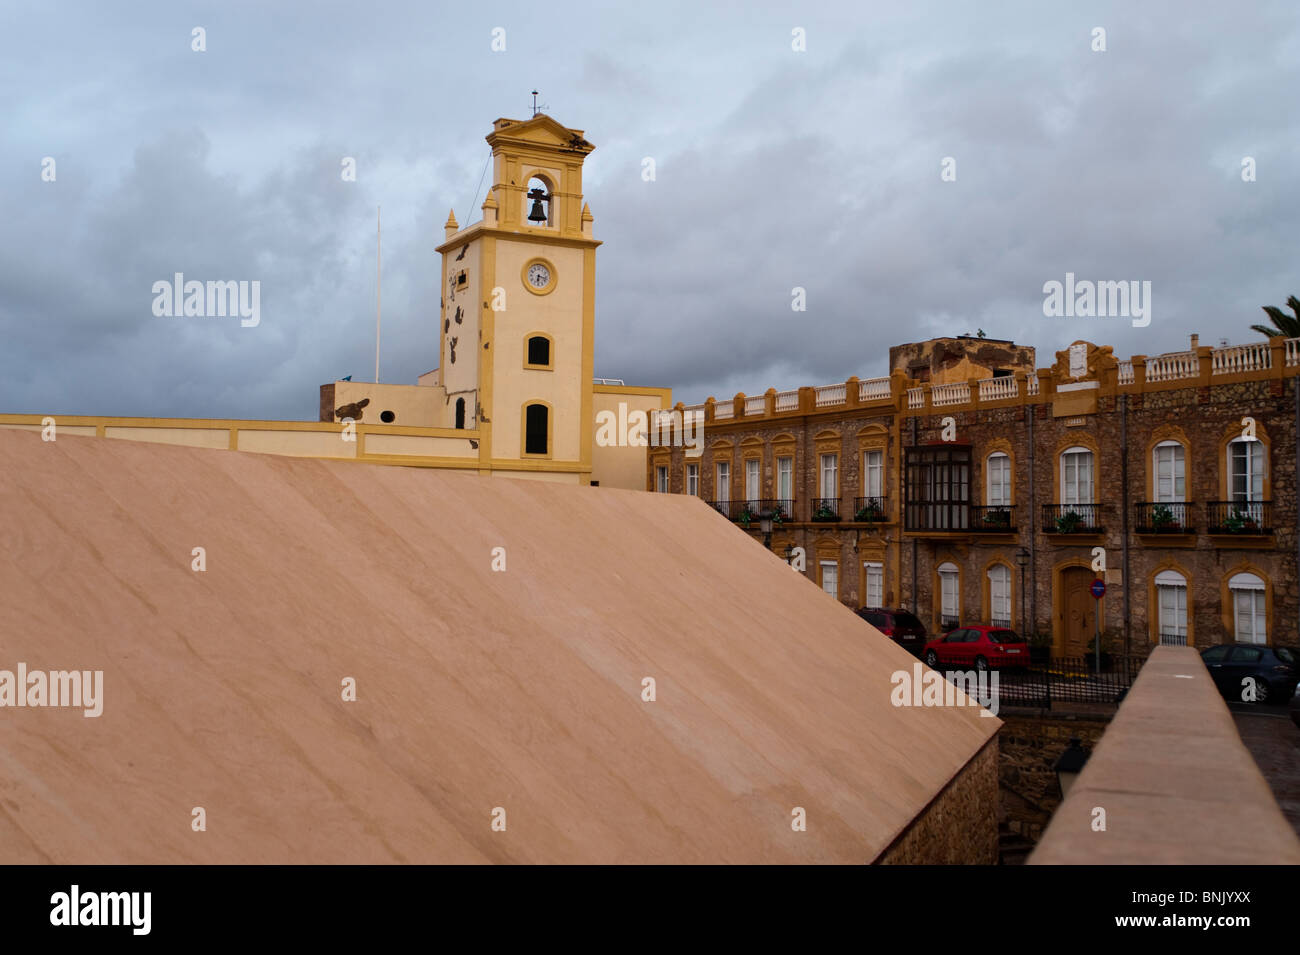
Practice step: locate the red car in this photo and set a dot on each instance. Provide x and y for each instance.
(978, 647)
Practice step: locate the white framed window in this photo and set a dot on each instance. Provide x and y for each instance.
(1000, 595)
(1246, 470)
(831, 577)
(949, 592)
(1076, 476)
(1171, 607)
(874, 574)
(1169, 468)
(661, 479)
(693, 479)
(752, 482)
(998, 483)
(830, 476)
(1249, 612)
(722, 492)
(873, 473)
(785, 479)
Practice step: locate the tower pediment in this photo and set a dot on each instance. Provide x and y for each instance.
(541, 130)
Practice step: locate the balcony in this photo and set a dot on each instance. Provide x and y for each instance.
(1244, 518)
(782, 508)
(1163, 517)
(993, 519)
(870, 510)
(825, 510)
(941, 518)
(728, 509)
(1072, 519)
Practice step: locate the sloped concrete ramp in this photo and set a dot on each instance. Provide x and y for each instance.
(476, 689)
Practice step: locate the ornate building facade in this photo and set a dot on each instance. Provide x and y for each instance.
(971, 486)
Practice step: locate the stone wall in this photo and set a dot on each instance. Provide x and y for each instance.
(959, 827)
(1028, 747)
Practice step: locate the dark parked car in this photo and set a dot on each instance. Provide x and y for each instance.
(1295, 707)
(900, 625)
(978, 646)
(1272, 668)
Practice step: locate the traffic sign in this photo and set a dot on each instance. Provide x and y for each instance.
(1098, 588)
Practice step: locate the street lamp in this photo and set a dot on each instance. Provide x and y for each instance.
(765, 525)
(1022, 561)
(1070, 765)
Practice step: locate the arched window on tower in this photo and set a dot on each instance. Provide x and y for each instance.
(460, 414)
(539, 352)
(537, 202)
(536, 429)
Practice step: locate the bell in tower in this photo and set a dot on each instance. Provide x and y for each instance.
(538, 213)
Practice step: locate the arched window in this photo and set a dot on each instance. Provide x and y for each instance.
(537, 202)
(536, 429)
(1171, 607)
(539, 351)
(997, 470)
(1076, 476)
(460, 414)
(1169, 471)
(1000, 595)
(1249, 608)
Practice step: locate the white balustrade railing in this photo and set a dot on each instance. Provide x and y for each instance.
(1031, 384)
(915, 398)
(828, 395)
(1292, 352)
(1126, 372)
(1257, 356)
(874, 389)
(953, 393)
(1173, 366)
(724, 409)
(787, 400)
(755, 405)
(995, 389)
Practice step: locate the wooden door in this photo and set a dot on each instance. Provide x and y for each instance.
(1078, 609)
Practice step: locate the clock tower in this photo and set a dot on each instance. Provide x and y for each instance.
(517, 322)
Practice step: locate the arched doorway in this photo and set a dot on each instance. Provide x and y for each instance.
(1076, 611)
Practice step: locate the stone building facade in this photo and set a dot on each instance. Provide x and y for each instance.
(1170, 478)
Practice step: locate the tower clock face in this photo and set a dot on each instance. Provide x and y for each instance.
(538, 275)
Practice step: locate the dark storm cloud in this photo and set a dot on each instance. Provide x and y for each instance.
(775, 169)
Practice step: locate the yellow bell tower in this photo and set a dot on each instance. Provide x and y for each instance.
(518, 305)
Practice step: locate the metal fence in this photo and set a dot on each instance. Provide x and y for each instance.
(1060, 680)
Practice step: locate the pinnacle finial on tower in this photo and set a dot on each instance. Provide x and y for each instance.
(452, 227)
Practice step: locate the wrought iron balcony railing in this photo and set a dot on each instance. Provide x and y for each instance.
(1239, 517)
(825, 509)
(782, 508)
(870, 510)
(993, 519)
(1072, 518)
(1163, 517)
(728, 509)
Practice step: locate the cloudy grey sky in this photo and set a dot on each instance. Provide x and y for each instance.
(775, 169)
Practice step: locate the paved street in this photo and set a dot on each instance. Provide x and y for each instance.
(1274, 741)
